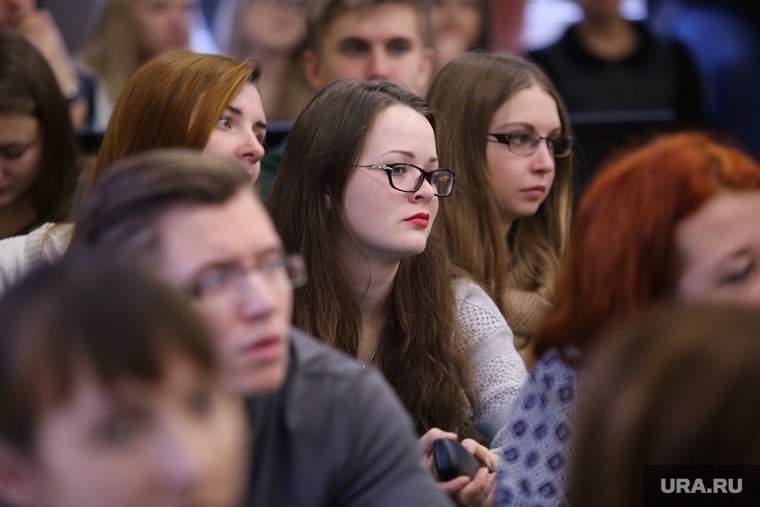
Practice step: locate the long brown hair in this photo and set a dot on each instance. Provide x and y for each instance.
(420, 351)
(622, 256)
(469, 224)
(28, 86)
(173, 101)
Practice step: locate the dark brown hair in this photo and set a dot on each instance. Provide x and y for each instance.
(683, 388)
(87, 312)
(121, 214)
(28, 86)
(420, 350)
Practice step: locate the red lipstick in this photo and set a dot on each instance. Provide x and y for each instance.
(420, 219)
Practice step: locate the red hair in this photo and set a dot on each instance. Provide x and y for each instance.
(622, 255)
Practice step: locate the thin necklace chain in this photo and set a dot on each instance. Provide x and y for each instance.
(373, 353)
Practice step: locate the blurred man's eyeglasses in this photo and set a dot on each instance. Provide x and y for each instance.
(228, 284)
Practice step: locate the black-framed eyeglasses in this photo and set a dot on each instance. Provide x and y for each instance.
(409, 178)
(227, 284)
(525, 142)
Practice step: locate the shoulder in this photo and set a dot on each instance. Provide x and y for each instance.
(476, 309)
(20, 254)
(314, 360)
(467, 291)
(334, 383)
(348, 419)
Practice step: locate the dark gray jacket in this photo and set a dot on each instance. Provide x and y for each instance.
(335, 434)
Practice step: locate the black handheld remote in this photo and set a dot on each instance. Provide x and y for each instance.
(451, 459)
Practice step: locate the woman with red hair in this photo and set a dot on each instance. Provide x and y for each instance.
(674, 219)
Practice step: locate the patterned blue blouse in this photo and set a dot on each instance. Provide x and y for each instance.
(537, 443)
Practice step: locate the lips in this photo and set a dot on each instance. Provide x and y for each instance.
(420, 219)
(534, 192)
(264, 350)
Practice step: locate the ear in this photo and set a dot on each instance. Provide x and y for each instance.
(328, 200)
(310, 61)
(426, 70)
(15, 478)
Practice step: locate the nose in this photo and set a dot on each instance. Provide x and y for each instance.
(180, 458)
(425, 193)
(258, 296)
(250, 151)
(379, 64)
(543, 159)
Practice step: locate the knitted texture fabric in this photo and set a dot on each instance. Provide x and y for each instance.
(498, 370)
(524, 310)
(21, 254)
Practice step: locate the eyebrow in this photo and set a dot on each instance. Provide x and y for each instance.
(407, 154)
(527, 126)
(239, 112)
(226, 263)
(353, 39)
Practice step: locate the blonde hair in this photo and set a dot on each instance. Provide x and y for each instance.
(111, 49)
(466, 93)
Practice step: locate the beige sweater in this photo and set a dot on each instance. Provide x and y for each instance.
(524, 311)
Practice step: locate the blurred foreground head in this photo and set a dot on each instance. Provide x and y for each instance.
(192, 220)
(681, 389)
(110, 395)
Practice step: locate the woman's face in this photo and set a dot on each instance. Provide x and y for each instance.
(180, 442)
(720, 247)
(522, 182)
(240, 131)
(274, 25)
(20, 153)
(390, 225)
(161, 25)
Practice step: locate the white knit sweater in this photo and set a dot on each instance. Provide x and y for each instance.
(21, 254)
(498, 369)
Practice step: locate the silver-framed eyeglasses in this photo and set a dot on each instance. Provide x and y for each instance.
(525, 142)
(227, 284)
(409, 177)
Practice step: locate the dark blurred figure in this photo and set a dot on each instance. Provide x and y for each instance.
(619, 82)
(39, 28)
(38, 148)
(723, 37)
(681, 389)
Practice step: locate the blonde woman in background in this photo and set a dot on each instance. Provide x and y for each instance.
(507, 137)
(273, 32)
(125, 34)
